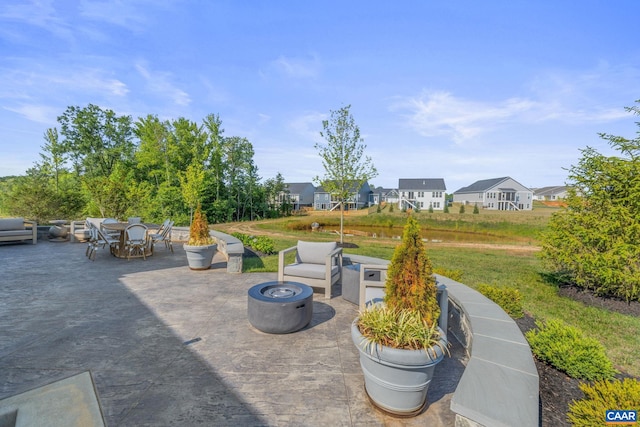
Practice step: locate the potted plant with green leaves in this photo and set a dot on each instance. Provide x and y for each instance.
(399, 340)
(201, 247)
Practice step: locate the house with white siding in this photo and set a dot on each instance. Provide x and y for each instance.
(504, 194)
(550, 194)
(421, 193)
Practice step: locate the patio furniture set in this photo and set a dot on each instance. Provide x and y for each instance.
(130, 239)
(286, 305)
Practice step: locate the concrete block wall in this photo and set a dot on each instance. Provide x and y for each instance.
(500, 384)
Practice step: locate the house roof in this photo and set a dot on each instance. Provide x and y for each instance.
(421, 184)
(297, 187)
(387, 191)
(548, 191)
(354, 188)
(482, 185)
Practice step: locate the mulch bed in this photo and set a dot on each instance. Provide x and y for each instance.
(557, 390)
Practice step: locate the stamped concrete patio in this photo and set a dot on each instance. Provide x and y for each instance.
(169, 346)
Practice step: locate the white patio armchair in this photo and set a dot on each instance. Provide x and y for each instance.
(317, 264)
(135, 240)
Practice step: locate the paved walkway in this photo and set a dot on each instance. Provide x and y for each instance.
(169, 346)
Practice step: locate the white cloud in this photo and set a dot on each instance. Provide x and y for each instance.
(263, 118)
(38, 83)
(129, 14)
(556, 96)
(440, 113)
(38, 13)
(309, 126)
(297, 68)
(45, 114)
(160, 85)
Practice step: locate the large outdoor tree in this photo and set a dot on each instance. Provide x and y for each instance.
(96, 140)
(346, 167)
(101, 164)
(595, 242)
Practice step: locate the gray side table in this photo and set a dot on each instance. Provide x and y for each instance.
(351, 283)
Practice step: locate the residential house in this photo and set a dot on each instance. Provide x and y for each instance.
(389, 195)
(503, 194)
(297, 194)
(550, 194)
(359, 198)
(421, 193)
(383, 195)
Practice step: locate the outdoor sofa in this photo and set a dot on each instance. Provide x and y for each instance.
(17, 229)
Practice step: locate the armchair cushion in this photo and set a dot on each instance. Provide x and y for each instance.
(312, 271)
(314, 252)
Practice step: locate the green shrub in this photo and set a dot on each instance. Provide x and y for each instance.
(568, 350)
(506, 297)
(447, 272)
(602, 396)
(262, 244)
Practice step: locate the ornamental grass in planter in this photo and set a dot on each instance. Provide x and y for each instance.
(201, 246)
(399, 340)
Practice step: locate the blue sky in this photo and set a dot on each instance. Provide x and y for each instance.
(460, 90)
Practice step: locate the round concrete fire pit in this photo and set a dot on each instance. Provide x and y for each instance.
(280, 307)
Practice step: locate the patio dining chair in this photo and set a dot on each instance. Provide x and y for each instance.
(136, 240)
(163, 235)
(110, 233)
(98, 240)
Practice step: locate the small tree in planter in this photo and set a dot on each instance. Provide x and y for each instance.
(402, 335)
(201, 246)
(410, 284)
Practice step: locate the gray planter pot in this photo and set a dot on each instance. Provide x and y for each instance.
(397, 380)
(200, 257)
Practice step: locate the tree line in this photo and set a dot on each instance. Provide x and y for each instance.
(98, 163)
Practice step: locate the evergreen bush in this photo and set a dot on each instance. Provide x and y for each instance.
(410, 282)
(602, 396)
(568, 350)
(506, 297)
(451, 274)
(409, 316)
(199, 230)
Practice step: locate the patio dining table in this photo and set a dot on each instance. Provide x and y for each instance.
(121, 252)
